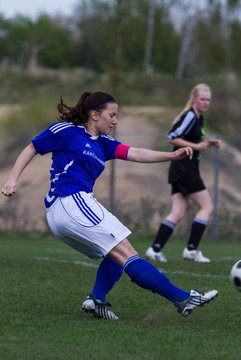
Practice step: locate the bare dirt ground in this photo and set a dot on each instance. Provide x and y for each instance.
(133, 181)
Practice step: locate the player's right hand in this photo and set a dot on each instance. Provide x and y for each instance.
(181, 153)
(9, 188)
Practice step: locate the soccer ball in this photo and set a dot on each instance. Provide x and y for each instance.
(235, 275)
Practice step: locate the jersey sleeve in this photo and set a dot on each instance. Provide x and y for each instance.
(114, 149)
(49, 140)
(182, 127)
(108, 145)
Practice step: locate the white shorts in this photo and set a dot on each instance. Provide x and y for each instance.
(85, 225)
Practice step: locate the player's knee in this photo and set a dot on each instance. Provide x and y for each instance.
(208, 209)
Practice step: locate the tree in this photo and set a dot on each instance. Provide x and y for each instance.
(15, 40)
(111, 30)
(94, 45)
(29, 43)
(207, 36)
(149, 38)
(53, 42)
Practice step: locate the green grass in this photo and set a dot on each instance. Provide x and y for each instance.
(43, 283)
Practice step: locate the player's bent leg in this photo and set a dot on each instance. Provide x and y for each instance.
(148, 277)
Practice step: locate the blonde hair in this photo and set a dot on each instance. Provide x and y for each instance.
(194, 93)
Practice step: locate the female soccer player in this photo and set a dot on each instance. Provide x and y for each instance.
(184, 177)
(80, 144)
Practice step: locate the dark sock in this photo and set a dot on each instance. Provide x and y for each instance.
(197, 230)
(165, 231)
(148, 277)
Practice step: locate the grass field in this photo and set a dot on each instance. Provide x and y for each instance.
(43, 283)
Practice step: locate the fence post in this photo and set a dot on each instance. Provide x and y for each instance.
(215, 201)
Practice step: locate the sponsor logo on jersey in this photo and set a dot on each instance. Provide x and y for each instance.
(89, 153)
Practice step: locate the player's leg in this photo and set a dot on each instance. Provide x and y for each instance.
(178, 211)
(108, 273)
(204, 203)
(145, 274)
(86, 226)
(148, 277)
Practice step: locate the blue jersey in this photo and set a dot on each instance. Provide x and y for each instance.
(78, 158)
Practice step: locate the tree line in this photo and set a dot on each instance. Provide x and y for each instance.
(180, 38)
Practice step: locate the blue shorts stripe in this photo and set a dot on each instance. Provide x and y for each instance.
(85, 209)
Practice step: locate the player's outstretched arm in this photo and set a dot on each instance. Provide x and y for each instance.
(151, 156)
(10, 187)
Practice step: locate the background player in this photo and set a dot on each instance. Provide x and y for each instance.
(184, 177)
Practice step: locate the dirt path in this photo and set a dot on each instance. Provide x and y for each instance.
(5, 110)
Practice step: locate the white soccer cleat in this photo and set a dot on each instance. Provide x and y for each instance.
(196, 299)
(89, 304)
(155, 256)
(98, 308)
(194, 255)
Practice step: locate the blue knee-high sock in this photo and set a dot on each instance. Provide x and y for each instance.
(108, 273)
(148, 277)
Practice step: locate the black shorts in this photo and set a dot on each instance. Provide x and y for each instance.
(188, 185)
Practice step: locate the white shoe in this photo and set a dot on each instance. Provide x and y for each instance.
(155, 256)
(194, 255)
(197, 298)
